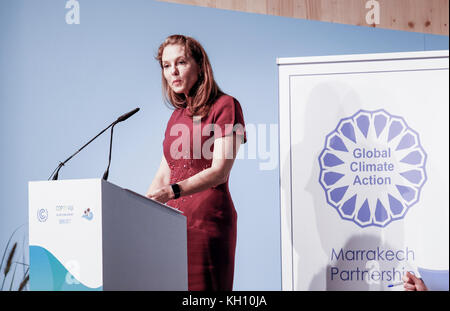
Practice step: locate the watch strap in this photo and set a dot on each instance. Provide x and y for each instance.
(176, 190)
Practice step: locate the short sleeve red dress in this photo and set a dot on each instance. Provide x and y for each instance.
(211, 216)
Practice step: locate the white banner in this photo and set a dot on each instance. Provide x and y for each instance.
(364, 159)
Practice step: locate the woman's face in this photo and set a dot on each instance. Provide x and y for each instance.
(181, 72)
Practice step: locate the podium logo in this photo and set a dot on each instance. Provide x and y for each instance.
(42, 215)
(88, 214)
(372, 168)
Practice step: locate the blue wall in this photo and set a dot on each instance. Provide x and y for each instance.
(61, 84)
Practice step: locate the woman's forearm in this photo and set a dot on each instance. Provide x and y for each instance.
(156, 184)
(203, 180)
(225, 150)
(162, 177)
(211, 177)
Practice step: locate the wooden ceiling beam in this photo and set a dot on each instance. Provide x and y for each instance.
(426, 16)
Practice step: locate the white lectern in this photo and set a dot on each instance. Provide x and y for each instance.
(92, 235)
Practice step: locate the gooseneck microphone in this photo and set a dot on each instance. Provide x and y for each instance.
(126, 116)
(105, 175)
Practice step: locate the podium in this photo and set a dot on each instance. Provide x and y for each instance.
(90, 234)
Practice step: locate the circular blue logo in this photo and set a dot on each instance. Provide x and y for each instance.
(42, 214)
(372, 168)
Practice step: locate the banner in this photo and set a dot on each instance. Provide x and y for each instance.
(364, 158)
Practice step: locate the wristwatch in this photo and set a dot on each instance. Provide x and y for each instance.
(176, 190)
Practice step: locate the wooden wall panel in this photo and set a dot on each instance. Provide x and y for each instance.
(427, 16)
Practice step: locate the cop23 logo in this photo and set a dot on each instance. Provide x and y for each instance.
(372, 168)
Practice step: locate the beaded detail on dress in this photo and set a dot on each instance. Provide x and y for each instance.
(182, 169)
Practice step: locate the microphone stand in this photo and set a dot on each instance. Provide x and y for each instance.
(105, 175)
(61, 164)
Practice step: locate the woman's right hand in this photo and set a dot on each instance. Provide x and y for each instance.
(161, 179)
(162, 195)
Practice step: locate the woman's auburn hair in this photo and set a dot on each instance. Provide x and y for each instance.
(205, 91)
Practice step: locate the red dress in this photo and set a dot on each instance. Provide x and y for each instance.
(211, 217)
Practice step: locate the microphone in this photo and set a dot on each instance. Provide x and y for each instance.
(126, 115)
(105, 175)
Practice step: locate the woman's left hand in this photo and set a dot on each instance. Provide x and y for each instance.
(162, 195)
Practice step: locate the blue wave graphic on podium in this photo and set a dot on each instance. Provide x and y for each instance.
(48, 274)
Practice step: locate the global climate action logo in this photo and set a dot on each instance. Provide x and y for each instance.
(372, 168)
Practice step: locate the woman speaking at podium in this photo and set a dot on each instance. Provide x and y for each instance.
(201, 141)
